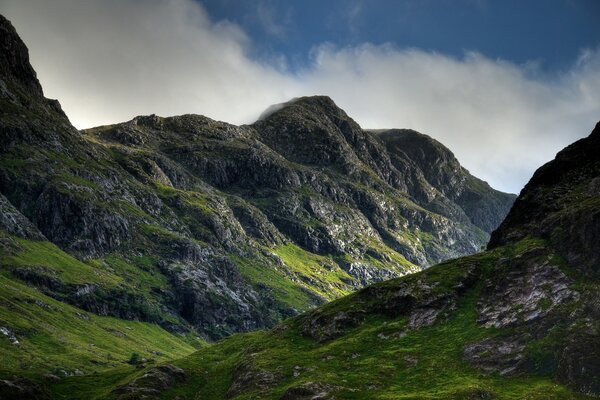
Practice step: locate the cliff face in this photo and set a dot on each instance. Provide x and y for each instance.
(193, 223)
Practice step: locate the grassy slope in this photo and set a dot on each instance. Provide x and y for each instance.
(55, 337)
(379, 359)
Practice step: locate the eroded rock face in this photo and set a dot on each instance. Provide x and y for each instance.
(578, 364)
(499, 355)
(15, 223)
(14, 59)
(80, 226)
(423, 159)
(525, 289)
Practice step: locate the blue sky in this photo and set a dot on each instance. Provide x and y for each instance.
(505, 84)
(551, 32)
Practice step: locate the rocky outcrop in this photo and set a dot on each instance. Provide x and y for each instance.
(152, 383)
(15, 223)
(248, 377)
(526, 288)
(503, 356)
(423, 301)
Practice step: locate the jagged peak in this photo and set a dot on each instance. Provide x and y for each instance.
(596, 132)
(14, 59)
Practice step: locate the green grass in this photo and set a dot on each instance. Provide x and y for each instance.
(282, 286)
(395, 259)
(159, 231)
(62, 265)
(136, 278)
(140, 272)
(12, 163)
(320, 273)
(77, 180)
(380, 359)
(54, 336)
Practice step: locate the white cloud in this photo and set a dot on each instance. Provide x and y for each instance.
(107, 61)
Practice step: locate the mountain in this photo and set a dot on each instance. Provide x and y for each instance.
(131, 243)
(207, 229)
(520, 320)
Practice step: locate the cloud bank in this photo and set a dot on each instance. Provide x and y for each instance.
(107, 61)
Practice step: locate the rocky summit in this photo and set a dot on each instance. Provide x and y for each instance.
(125, 249)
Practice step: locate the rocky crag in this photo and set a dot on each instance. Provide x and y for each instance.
(199, 225)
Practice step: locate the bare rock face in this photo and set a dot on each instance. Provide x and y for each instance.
(15, 223)
(528, 288)
(83, 227)
(452, 190)
(578, 364)
(500, 355)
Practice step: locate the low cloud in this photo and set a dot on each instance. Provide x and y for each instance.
(111, 60)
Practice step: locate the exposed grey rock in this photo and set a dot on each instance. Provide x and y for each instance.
(9, 334)
(434, 176)
(578, 364)
(14, 59)
(423, 317)
(530, 287)
(13, 222)
(82, 227)
(498, 355)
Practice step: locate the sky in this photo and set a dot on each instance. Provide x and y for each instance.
(504, 84)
